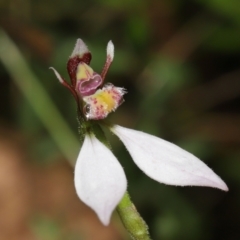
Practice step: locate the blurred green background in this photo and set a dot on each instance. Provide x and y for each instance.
(178, 60)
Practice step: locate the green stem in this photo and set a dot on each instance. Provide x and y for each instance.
(132, 220)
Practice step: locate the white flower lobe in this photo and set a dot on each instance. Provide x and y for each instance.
(99, 179)
(166, 162)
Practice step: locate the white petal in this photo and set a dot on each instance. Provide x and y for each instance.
(166, 162)
(99, 179)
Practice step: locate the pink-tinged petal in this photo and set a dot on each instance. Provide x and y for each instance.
(166, 162)
(104, 101)
(99, 179)
(89, 87)
(87, 80)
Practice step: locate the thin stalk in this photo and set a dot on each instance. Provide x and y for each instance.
(132, 220)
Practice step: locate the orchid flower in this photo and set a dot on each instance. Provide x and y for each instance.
(99, 178)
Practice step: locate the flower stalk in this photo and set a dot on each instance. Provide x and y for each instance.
(132, 220)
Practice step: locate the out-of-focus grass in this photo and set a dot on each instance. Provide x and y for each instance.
(37, 97)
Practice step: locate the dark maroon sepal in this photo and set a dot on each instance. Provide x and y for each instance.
(72, 65)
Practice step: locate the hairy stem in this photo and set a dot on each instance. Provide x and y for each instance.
(132, 220)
